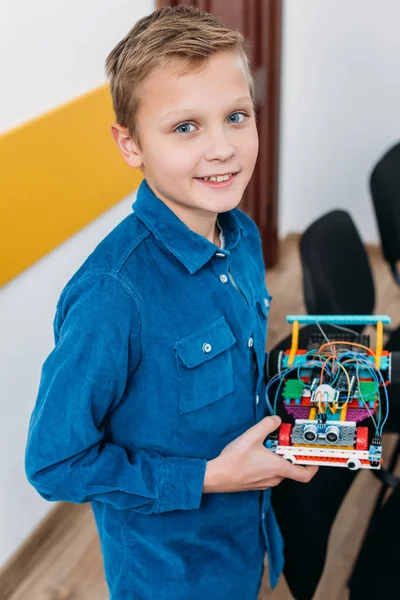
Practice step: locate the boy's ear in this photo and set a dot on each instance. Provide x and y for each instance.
(126, 145)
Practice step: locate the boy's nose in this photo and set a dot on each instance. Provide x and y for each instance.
(219, 148)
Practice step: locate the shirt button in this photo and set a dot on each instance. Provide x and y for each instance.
(220, 255)
(250, 342)
(223, 278)
(257, 399)
(207, 348)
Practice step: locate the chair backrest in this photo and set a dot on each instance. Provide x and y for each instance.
(385, 192)
(337, 276)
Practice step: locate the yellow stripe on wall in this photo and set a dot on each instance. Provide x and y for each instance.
(58, 173)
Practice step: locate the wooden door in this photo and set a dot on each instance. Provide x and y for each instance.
(261, 23)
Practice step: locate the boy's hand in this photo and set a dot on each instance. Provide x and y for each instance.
(246, 464)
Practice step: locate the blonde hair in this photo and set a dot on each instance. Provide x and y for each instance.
(179, 32)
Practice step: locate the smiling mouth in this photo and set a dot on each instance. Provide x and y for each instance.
(217, 178)
(217, 182)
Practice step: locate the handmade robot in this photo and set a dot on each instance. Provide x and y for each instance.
(334, 394)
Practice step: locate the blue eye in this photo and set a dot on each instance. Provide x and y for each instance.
(185, 128)
(236, 117)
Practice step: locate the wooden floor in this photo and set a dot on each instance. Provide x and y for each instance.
(67, 565)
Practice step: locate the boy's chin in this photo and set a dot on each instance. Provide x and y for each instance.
(220, 204)
(222, 207)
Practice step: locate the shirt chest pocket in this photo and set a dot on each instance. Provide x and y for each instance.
(204, 366)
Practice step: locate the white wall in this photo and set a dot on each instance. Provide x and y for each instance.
(50, 53)
(341, 106)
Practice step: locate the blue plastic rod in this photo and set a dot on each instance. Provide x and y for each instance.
(339, 319)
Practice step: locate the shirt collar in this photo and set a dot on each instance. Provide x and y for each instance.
(190, 248)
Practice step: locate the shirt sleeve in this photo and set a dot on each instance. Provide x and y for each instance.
(98, 332)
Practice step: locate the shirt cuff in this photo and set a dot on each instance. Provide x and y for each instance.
(183, 484)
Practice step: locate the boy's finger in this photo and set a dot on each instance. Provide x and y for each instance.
(302, 474)
(262, 429)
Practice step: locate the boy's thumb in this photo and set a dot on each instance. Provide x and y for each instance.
(265, 427)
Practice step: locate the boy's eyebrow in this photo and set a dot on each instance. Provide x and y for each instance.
(190, 111)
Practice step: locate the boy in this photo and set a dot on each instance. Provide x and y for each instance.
(151, 404)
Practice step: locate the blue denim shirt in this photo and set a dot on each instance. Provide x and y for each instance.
(158, 365)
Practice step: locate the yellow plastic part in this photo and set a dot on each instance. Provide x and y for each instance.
(326, 447)
(313, 414)
(59, 172)
(295, 342)
(343, 412)
(379, 343)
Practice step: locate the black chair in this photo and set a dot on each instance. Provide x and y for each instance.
(328, 286)
(385, 192)
(337, 276)
(337, 279)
